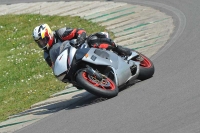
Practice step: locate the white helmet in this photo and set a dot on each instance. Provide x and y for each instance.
(43, 36)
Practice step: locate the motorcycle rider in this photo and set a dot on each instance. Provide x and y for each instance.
(46, 39)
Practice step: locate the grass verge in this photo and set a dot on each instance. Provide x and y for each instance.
(25, 77)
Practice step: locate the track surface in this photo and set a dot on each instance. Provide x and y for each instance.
(166, 103)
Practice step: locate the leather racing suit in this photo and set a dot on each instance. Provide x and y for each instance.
(62, 35)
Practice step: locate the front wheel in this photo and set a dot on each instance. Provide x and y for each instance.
(104, 88)
(146, 67)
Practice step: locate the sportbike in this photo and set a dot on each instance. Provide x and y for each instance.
(99, 71)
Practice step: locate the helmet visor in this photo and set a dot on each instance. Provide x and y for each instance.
(42, 42)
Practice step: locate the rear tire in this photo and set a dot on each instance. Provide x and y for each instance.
(105, 88)
(146, 68)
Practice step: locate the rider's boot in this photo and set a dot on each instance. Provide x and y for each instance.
(126, 52)
(122, 50)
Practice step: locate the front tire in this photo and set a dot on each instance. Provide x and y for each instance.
(105, 88)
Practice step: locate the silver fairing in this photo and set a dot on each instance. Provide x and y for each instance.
(63, 61)
(97, 60)
(60, 65)
(120, 67)
(71, 55)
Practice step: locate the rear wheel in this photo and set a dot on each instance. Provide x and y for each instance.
(146, 67)
(103, 88)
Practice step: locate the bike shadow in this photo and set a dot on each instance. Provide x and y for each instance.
(91, 99)
(56, 104)
(77, 101)
(53, 106)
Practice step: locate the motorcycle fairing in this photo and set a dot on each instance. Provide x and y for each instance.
(60, 66)
(64, 59)
(110, 59)
(99, 60)
(81, 53)
(72, 52)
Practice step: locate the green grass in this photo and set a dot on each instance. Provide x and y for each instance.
(25, 77)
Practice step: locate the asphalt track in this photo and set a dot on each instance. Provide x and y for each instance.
(166, 103)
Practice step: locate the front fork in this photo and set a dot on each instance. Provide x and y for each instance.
(92, 72)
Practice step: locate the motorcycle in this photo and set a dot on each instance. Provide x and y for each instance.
(99, 71)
